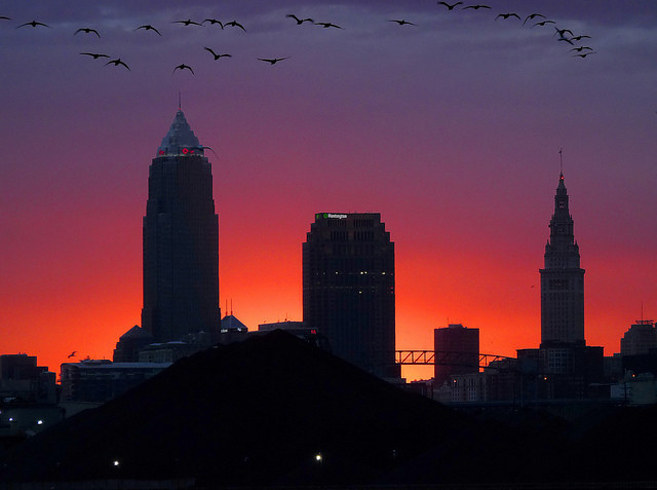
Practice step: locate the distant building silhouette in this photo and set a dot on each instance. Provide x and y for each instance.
(101, 380)
(349, 288)
(456, 351)
(567, 365)
(562, 279)
(639, 339)
(22, 380)
(181, 240)
(130, 343)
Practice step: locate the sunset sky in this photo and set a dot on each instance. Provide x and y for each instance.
(450, 128)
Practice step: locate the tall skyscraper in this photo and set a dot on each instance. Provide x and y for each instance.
(181, 240)
(562, 279)
(349, 288)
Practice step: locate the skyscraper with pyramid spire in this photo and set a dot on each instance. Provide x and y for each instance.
(180, 239)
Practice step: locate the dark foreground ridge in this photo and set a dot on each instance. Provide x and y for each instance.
(262, 411)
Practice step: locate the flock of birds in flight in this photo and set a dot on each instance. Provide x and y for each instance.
(536, 19)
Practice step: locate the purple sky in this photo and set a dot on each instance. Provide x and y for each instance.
(450, 129)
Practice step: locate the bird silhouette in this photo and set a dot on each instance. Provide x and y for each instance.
(566, 40)
(450, 7)
(72, 354)
(148, 27)
(561, 32)
(87, 30)
(584, 55)
(579, 38)
(34, 23)
(217, 55)
(507, 15)
(183, 67)
(326, 25)
(213, 22)
(300, 21)
(476, 7)
(96, 55)
(543, 22)
(402, 22)
(273, 61)
(532, 17)
(187, 22)
(117, 62)
(581, 48)
(234, 23)
(4, 17)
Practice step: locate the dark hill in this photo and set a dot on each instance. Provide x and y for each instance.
(258, 412)
(254, 412)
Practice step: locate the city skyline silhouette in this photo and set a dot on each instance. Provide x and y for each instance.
(450, 129)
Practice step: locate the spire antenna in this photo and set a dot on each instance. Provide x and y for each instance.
(179, 101)
(561, 161)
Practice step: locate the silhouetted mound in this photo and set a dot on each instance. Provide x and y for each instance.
(273, 410)
(256, 412)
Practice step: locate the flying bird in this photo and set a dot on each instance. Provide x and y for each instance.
(507, 15)
(187, 22)
(72, 354)
(581, 48)
(450, 7)
(579, 38)
(561, 32)
(4, 17)
(532, 17)
(234, 23)
(87, 30)
(34, 23)
(402, 22)
(567, 40)
(213, 22)
(584, 55)
(476, 7)
(543, 22)
(148, 27)
(326, 25)
(273, 61)
(96, 55)
(217, 55)
(183, 67)
(300, 21)
(117, 62)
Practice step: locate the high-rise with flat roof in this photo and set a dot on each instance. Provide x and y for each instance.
(349, 288)
(456, 351)
(181, 240)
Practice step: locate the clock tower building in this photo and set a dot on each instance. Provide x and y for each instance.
(562, 280)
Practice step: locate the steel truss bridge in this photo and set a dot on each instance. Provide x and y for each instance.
(430, 357)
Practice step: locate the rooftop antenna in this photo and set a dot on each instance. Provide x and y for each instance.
(561, 161)
(231, 306)
(179, 101)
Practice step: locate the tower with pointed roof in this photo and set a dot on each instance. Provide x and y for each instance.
(180, 240)
(562, 279)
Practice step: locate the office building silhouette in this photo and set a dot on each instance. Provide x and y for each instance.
(349, 288)
(181, 240)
